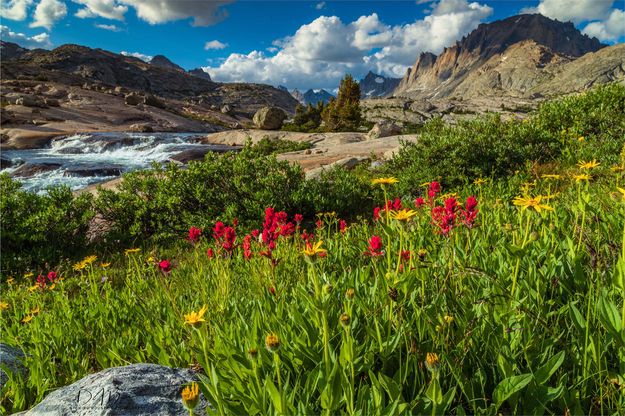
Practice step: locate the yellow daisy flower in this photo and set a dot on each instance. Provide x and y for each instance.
(384, 181)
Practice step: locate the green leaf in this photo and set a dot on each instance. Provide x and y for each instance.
(434, 392)
(276, 398)
(509, 386)
(551, 366)
(610, 319)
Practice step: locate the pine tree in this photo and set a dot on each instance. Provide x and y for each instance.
(343, 113)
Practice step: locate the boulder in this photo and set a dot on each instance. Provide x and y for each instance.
(226, 109)
(133, 390)
(5, 163)
(30, 101)
(91, 171)
(72, 96)
(133, 99)
(11, 358)
(348, 163)
(269, 118)
(52, 102)
(141, 128)
(384, 129)
(27, 170)
(153, 101)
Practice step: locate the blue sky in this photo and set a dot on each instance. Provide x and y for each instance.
(299, 44)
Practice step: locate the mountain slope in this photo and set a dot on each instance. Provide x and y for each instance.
(374, 85)
(510, 56)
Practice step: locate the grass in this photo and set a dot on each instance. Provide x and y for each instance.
(521, 314)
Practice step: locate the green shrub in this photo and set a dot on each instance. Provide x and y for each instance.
(165, 201)
(267, 146)
(483, 147)
(37, 229)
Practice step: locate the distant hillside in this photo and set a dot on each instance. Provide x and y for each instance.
(375, 86)
(519, 56)
(312, 96)
(77, 65)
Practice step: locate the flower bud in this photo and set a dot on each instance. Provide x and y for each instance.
(272, 342)
(345, 320)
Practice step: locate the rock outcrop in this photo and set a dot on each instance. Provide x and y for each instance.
(163, 62)
(269, 118)
(11, 358)
(384, 129)
(513, 56)
(200, 73)
(133, 390)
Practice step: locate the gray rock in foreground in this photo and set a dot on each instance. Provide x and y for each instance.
(133, 390)
(12, 359)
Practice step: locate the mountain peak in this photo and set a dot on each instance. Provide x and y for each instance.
(560, 37)
(375, 85)
(162, 61)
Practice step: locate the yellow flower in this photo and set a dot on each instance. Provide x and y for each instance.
(132, 251)
(195, 318)
(403, 215)
(79, 266)
(528, 202)
(422, 253)
(479, 181)
(35, 310)
(425, 184)
(272, 342)
(525, 186)
(4, 306)
(33, 288)
(89, 259)
(582, 177)
(617, 168)
(581, 139)
(551, 176)
(27, 319)
(10, 280)
(105, 265)
(622, 191)
(28, 275)
(190, 396)
(432, 361)
(312, 250)
(448, 319)
(588, 165)
(384, 181)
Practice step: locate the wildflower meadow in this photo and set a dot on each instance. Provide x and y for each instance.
(501, 295)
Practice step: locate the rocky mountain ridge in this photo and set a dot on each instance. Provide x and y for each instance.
(518, 56)
(312, 96)
(377, 86)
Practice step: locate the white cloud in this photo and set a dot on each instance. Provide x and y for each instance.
(14, 9)
(609, 30)
(215, 44)
(321, 52)
(320, 5)
(41, 40)
(112, 28)
(48, 12)
(143, 57)
(108, 9)
(573, 10)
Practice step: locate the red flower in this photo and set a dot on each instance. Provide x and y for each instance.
(52, 276)
(319, 224)
(445, 217)
(376, 213)
(375, 247)
(210, 253)
(469, 213)
(194, 234)
(230, 237)
(307, 237)
(342, 226)
(419, 202)
(299, 218)
(255, 233)
(165, 266)
(287, 229)
(272, 290)
(247, 246)
(434, 189)
(218, 230)
(405, 255)
(41, 281)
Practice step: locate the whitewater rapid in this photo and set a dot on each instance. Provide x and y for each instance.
(81, 160)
